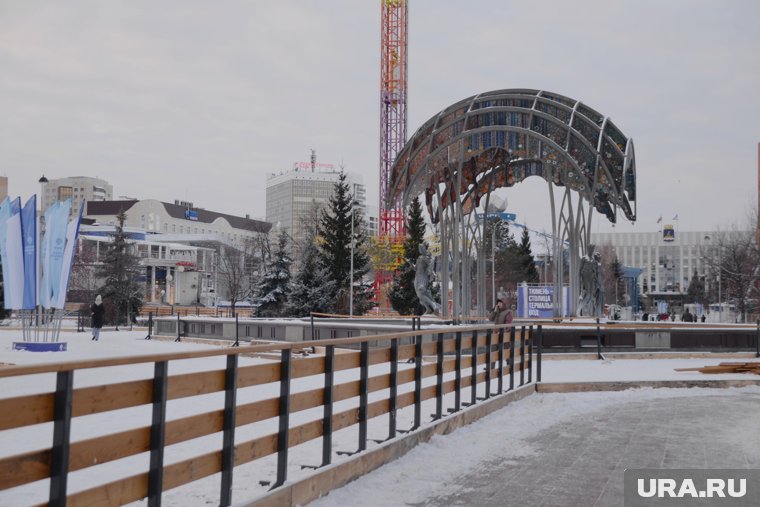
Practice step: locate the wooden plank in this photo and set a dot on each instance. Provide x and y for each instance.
(257, 411)
(119, 492)
(24, 468)
(192, 469)
(258, 374)
(104, 398)
(26, 410)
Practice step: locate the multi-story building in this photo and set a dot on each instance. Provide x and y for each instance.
(179, 245)
(668, 257)
(294, 198)
(80, 189)
(179, 222)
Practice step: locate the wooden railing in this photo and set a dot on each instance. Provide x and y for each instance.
(456, 358)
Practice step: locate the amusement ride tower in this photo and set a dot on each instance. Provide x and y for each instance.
(393, 79)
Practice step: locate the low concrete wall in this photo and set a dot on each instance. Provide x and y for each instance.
(290, 330)
(652, 340)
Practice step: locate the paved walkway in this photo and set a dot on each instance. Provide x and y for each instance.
(581, 462)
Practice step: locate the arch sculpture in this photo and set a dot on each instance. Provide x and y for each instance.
(497, 139)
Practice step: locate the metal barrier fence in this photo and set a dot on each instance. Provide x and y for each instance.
(457, 358)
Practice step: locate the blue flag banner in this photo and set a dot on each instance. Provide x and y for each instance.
(13, 286)
(72, 233)
(29, 237)
(54, 244)
(5, 214)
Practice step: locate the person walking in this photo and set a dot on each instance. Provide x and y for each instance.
(98, 314)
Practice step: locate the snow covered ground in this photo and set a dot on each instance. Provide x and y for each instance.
(470, 445)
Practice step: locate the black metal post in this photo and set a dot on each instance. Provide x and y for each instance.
(179, 330)
(363, 394)
(282, 436)
(394, 389)
(328, 405)
(150, 326)
(540, 351)
(501, 361)
(439, 379)
(312, 326)
(228, 439)
(474, 369)
(488, 364)
(598, 340)
(522, 355)
(59, 455)
(512, 358)
(530, 354)
(458, 374)
(757, 339)
(237, 333)
(417, 381)
(158, 434)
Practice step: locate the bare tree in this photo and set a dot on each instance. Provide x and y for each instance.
(734, 263)
(234, 273)
(83, 282)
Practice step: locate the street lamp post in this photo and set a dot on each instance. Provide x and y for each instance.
(493, 265)
(351, 282)
(720, 272)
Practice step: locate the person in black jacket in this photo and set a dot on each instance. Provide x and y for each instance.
(98, 313)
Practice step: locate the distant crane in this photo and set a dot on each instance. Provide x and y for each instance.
(393, 95)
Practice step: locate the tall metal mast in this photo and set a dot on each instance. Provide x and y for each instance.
(393, 79)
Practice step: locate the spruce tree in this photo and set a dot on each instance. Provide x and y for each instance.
(402, 295)
(528, 263)
(120, 270)
(335, 250)
(311, 290)
(696, 291)
(276, 281)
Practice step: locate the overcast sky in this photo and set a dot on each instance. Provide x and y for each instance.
(201, 100)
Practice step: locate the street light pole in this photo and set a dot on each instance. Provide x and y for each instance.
(351, 283)
(720, 297)
(493, 265)
(720, 272)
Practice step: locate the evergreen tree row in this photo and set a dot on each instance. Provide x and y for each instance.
(324, 282)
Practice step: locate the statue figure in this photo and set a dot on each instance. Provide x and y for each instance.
(423, 273)
(591, 303)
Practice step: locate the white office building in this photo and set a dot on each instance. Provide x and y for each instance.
(178, 245)
(668, 257)
(294, 198)
(79, 189)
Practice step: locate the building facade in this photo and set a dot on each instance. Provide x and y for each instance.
(179, 246)
(179, 222)
(79, 189)
(294, 199)
(667, 257)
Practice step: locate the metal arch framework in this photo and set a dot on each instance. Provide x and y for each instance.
(497, 139)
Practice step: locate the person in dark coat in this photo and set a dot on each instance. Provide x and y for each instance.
(501, 313)
(98, 314)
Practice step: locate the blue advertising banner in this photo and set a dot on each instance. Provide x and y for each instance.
(5, 214)
(13, 257)
(53, 246)
(537, 301)
(29, 239)
(72, 233)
